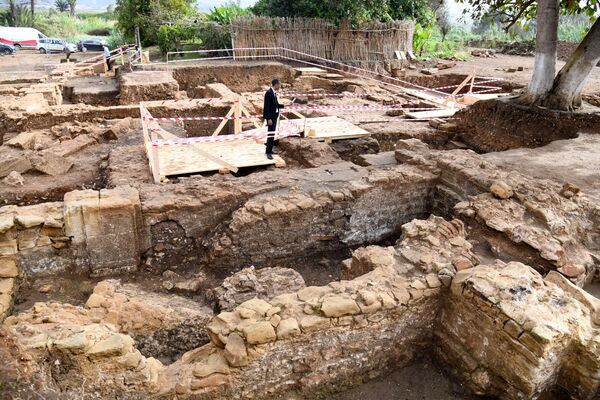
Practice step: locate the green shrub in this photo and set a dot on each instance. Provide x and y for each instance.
(171, 37)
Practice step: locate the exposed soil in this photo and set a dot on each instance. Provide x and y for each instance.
(573, 160)
(421, 380)
(509, 125)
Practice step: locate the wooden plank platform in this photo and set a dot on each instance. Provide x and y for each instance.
(474, 98)
(333, 128)
(311, 71)
(321, 128)
(182, 159)
(447, 112)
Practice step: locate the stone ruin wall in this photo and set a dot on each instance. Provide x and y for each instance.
(423, 290)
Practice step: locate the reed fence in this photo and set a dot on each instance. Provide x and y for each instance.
(368, 46)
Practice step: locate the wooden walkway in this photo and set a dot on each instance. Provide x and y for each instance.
(184, 159)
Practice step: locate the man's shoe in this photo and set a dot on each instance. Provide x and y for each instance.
(269, 156)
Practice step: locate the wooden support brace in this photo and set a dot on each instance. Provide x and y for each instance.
(472, 82)
(223, 123)
(237, 113)
(458, 89)
(246, 113)
(197, 148)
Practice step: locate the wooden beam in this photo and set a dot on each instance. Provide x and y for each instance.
(471, 84)
(237, 113)
(458, 88)
(448, 112)
(223, 123)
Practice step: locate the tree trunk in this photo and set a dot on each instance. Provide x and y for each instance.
(568, 85)
(545, 52)
(32, 12)
(72, 4)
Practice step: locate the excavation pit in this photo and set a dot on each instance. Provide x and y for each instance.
(271, 281)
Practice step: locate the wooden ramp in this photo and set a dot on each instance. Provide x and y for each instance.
(183, 159)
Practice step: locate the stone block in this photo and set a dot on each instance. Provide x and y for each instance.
(13, 162)
(215, 364)
(260, 332)
(7, 285)
(8, 248)
(312, 323)
(337, 306)
(51, 164)
(288, 328)
(8, 267)
(68, 147)
(117, 344)
(235, 350)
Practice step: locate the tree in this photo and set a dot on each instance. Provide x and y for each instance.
(61, 5)
(72, 4)
(563, 91)
(149, 15)
(442, 18)
(16, 15)
(355, 11)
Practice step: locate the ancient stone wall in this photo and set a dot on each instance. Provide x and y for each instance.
(513, 334)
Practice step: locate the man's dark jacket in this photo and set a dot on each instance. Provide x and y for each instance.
(271, 105)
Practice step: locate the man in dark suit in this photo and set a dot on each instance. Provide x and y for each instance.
(271, 109)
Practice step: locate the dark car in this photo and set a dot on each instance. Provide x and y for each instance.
(7, 49)
(91, 45)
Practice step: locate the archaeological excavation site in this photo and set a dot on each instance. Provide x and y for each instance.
(412, 218)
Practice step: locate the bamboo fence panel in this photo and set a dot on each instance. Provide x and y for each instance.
(368, 46)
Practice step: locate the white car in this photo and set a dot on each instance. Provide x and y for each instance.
(49, 45)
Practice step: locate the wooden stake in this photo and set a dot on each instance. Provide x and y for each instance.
(237, 122)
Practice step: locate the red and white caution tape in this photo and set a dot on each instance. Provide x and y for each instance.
(355, 108)
(221, 138)
(251, 117)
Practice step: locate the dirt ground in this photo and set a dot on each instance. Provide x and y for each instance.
(421, 380)
(497, 67)
(575, 161)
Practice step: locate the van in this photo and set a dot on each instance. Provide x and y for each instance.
(20, 36)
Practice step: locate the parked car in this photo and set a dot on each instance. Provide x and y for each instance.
(7, 49)
(20, 36)
(91, 45)
(49, 45)
(70, 48)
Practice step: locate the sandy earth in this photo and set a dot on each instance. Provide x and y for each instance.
(497, 66)
(575, 161)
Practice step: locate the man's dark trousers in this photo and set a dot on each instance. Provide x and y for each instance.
(271, 136)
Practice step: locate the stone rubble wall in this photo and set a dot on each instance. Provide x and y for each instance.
(518, 218)
(507, 331)
(513, 334)
(32, 240)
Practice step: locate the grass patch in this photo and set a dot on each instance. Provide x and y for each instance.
(81, 26)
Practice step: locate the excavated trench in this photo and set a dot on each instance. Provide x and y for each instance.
(330, 201)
